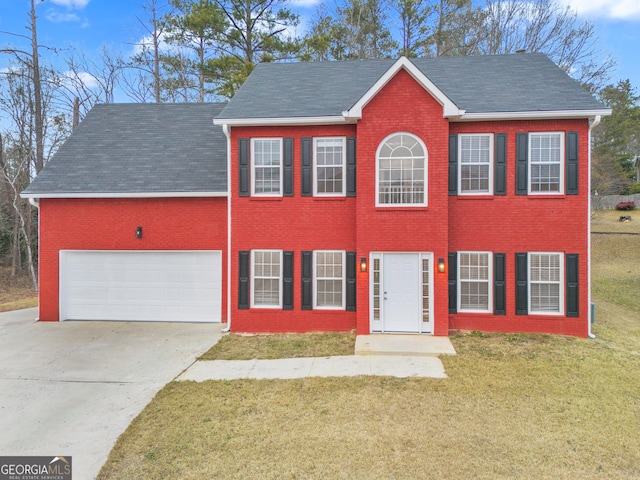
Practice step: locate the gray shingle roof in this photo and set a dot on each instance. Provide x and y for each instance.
(481, 84)
(139, 149)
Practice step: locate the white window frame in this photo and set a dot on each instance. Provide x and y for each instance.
(316, 167)
(254, 167)
(489, 282)
(559, 282)
(425, 201)
(254, 277)
(316, 278)
(530, 163)
(489, 164)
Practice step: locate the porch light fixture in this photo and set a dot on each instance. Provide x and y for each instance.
(441, 267)
(363, 264)
(139, 232)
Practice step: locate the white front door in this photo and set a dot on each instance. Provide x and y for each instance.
(401, 293)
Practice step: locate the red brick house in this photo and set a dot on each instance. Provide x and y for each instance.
(408, 196)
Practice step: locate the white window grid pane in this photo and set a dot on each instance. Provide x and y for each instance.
(545, 276)
(545, 297)
(376, 289)
(329, 279)
(545, 162)
(266, 278)
(267, 163)
(475, 163)
(425, 289)
(474, 274)
(401, 171)
(329, 156)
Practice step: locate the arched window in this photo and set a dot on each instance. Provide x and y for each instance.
(402, 171)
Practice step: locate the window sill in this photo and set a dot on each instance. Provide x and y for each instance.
(337, 198)
(403, 208)
(476, 197)
(266, 199)
(550, 196)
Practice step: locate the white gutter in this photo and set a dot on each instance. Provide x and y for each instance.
(125, 195)
(34, 201)
(284, 121)
(592, 124)
(354, 114)
(534, 115)
(227, 133)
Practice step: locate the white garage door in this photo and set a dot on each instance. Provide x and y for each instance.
(174, 286)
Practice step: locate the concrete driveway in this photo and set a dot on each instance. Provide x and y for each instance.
(71, 388)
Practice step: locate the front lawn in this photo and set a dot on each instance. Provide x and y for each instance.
(513, 407)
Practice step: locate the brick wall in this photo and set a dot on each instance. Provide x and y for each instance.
(110, 224)
(524, 223)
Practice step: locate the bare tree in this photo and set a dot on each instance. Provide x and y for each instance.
(14, 172)
(146, 63)
(549, 27)
(91, 80)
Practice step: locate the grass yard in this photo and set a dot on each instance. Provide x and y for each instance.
(248, 347)
(513, 407)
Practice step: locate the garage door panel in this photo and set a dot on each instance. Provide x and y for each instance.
(149, 285)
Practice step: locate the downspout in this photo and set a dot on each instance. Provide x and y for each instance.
(227, 133)
(35, 203)
(592, 124)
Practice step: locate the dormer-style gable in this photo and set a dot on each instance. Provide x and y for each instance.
(450, 109)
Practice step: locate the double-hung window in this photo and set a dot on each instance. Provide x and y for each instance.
(329, 276)
(401, 171)
(545, 283)
(546, 163)
(475, 158)
(266, 160)
(329, 162)
(266, 282)
(474, 279)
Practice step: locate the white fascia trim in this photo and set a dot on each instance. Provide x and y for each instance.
(284, 121)
(449, 108)
(537, 115)
(126, 195)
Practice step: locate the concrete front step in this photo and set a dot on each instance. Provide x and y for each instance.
(412, 345)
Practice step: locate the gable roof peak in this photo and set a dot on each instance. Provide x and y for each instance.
(450, 109)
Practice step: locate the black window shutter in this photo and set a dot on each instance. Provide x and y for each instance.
(351, 282)
(500, 165)
(522, 153)
(572, 163)
(306, 154)
(243, 161)
(307, 280)
(499, 284)
(453, 164)
(243, 280)
(453, 282)
(522, 291)
(287, 280)
(572, 284)
(287, 160)
(351, 166)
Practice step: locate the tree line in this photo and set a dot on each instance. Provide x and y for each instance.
(203, 50)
